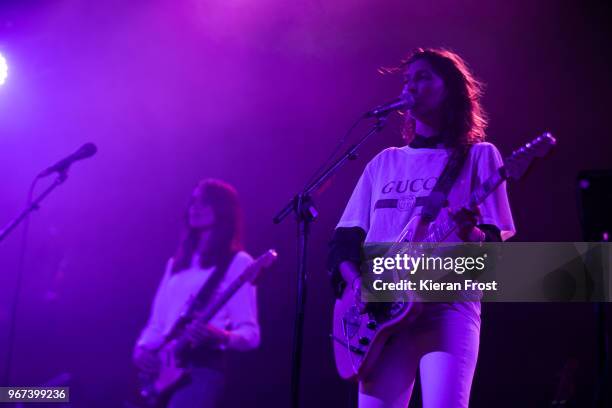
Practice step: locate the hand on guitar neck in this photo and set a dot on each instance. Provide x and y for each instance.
(466, 220)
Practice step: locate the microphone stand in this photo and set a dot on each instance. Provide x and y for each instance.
(31, 206)
(303, 207)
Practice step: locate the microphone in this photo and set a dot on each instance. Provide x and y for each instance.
(405, 101)
(87, 150)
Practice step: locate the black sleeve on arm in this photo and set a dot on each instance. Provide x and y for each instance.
(344, 246)
(492, 233)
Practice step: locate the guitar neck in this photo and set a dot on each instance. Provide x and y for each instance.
(485, 189)
(440, 230)
(218, 302)
(209, 311)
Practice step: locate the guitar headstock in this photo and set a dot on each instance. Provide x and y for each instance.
(266, 259)
(262, 262)
(517, 164)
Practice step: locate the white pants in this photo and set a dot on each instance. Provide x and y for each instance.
(443, 344)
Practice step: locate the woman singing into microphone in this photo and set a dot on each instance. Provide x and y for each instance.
(442, 343)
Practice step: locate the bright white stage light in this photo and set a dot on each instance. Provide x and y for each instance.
(3, 69)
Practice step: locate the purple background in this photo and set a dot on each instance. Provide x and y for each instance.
(258, 93)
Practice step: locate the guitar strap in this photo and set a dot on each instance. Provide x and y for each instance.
(437, 199)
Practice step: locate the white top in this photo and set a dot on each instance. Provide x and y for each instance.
(406, 173)
(238, 316)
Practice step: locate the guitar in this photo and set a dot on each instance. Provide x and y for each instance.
(358, 336)
(155, 389)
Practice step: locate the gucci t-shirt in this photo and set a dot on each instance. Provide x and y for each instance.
(385, 199)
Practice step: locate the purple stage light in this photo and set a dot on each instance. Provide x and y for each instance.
(3, 69)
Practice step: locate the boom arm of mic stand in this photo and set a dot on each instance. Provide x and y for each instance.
(62, 176)
(314, 186)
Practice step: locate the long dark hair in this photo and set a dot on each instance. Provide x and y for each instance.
(227, 231)
(464, 119)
